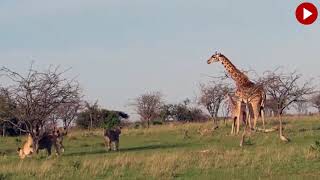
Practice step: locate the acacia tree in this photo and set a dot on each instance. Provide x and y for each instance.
(270, 107)
(285, 89)
(5, 106)
(37, 96)
(148, 106)
(92, 116)
(66, 113)
(212, 96)
(301, 106)
(182, 112)
(93, 110)
(315, 101)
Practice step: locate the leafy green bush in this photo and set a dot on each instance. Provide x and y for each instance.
(111, 120)
(100, 118)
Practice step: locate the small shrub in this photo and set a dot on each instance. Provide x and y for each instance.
(157, 122)
(85, 145)
(315, 146)
(4, 176)
(136, 125)
(76, 164)
(315, 128)
(2, 153)
(18, 140)
(248, 142)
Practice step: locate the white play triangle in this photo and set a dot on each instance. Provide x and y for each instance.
(306, 13)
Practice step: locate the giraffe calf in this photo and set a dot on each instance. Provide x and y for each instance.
(235, 117)
(235, 113)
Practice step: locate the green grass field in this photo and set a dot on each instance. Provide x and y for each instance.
(162, 152)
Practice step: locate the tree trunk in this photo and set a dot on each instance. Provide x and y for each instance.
(35, 140)
(3, 130)
(215, 125)
(90, 121)
(280, 126)
(148, 123)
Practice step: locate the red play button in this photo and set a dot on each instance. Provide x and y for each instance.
(306, 13)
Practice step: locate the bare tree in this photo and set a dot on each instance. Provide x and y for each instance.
(93, 110)
(211, 97)
(226, 109)
(37, 96)
(5, 107)
(270, 107)
(315, 101)
(67, 113)
(285, 89)
(148, 106)
(301, 106)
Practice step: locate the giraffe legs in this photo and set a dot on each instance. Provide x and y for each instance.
(233, 127)
(255, 118)
(248, 123)
(239, 116)
(262, 117)
(256, 108)
(249, 114)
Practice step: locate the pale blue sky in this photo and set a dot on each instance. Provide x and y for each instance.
(120, 49)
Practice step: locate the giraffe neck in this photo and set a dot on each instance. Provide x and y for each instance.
(240, 78)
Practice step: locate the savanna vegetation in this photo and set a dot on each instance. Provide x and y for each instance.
(164, 152)
(183, 140)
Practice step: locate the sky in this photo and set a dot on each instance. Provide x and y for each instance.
(121, 49)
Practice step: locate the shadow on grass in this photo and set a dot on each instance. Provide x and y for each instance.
(152, 146)
(129, 149)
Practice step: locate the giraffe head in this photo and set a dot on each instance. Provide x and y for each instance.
(214, 58)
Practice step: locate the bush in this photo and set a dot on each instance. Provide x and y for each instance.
(101, 118)
(157, 122)
(136, 125)
(315, 146)
(111, 120)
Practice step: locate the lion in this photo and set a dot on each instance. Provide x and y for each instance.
(27, 148)
(45, 142)
(111, 136)
(48, 140)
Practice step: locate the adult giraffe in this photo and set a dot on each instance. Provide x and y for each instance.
(248, 92)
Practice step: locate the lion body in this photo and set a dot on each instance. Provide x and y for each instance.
(48, 140)
(44, 143)
(27, 148)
